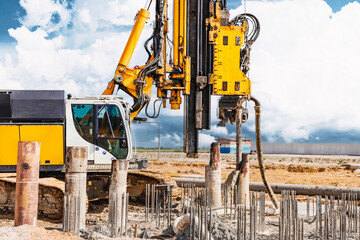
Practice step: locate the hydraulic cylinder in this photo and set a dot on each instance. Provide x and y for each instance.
(143, 15)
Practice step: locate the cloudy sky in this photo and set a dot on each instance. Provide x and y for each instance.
(304, 65)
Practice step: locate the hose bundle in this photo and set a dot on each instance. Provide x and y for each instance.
(251, 34)
(153, 65)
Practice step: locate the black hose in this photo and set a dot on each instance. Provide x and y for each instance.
(138, 102)
(155, 114)
(253, 34)
(146, 46)
(268, 188)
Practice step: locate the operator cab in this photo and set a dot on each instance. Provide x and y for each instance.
(101, 124)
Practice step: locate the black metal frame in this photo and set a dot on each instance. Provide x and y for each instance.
(197, 109)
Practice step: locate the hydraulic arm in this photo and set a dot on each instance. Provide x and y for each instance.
(210, 56)
(168, 75)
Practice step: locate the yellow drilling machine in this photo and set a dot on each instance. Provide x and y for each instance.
(206, 53)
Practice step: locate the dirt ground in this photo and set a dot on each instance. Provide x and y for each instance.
(325, 170)
(291, 169)
(27, 232)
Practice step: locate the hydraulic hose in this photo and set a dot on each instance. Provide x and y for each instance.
(140, 101)
(268, 188)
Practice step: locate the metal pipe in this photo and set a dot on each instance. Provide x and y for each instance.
(27, 183)
(311, 190)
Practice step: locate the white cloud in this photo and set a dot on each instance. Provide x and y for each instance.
(205, 140)
(218, 131)
(117, 12)
(78, 61)
(172, 140)
(47, 14)
(304, 66)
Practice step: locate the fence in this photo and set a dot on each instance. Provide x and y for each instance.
(310, 148)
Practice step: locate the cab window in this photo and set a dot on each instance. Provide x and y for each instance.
(111, 131)
(83, 120)
(110, 122)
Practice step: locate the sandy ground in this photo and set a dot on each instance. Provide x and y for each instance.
(292, 169)
(31, 232)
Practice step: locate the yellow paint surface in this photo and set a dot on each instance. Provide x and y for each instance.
(228, 78)
(9, 138)
(52, 141)
(51, 138)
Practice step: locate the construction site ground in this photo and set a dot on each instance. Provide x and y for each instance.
(328, 170)
(291, 169)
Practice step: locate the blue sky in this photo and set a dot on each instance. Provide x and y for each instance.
(335, 5)
(304, 66)
(11, 11)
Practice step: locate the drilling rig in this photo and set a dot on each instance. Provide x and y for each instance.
(209, 55)
(203, 53)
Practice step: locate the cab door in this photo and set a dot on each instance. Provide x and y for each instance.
(80, 127)
(110, 134)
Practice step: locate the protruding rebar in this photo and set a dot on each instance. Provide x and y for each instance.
(152, 202)
(126, 212)
(262, 212)
(307, 207)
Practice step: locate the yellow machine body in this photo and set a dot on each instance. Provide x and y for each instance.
(9, 138)
(129, 49)
(174, 79)
(51, 138)
(228, 79)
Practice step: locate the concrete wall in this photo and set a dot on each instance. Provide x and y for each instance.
(310, 148)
